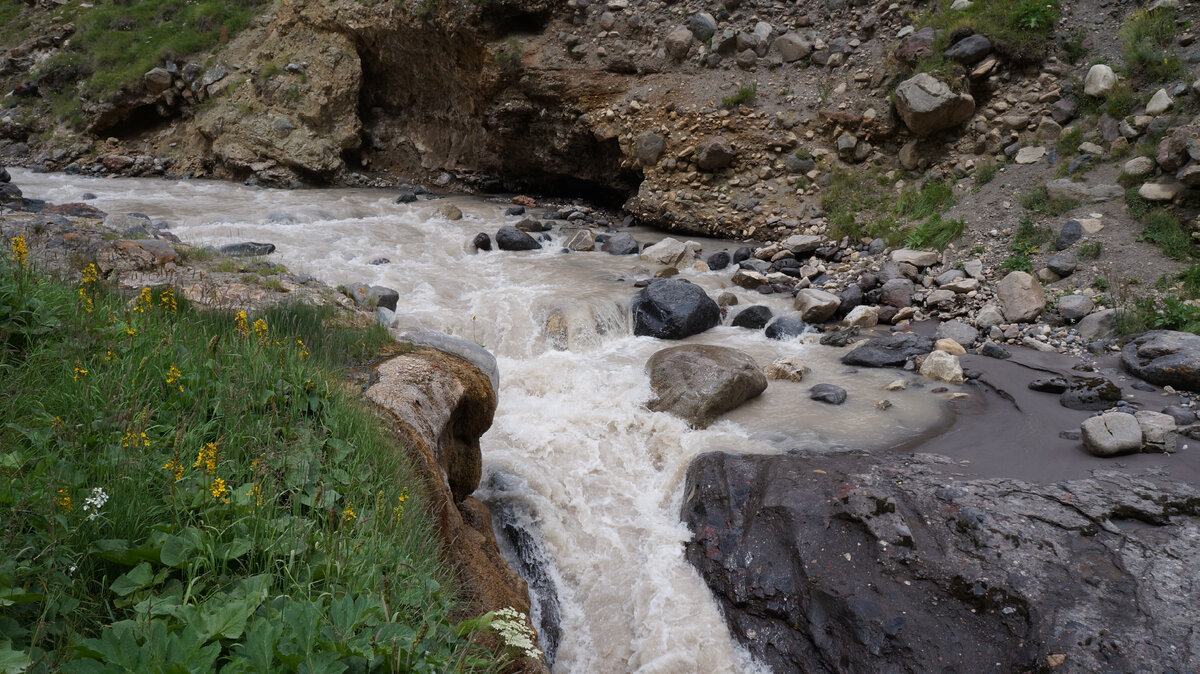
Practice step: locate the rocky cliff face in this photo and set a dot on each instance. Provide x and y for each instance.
(852, 563)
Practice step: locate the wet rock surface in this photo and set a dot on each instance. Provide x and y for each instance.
(673, 309)
(699, 382)
(890, 563)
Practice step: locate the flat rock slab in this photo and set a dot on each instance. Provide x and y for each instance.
(699, 382)
(889, 351)
(1165, 357)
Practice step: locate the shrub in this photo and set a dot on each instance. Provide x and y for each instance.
(934, 233)
(1164, 229)
(1147, 41)
(745, 95)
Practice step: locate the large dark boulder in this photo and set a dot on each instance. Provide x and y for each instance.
(699, 382)
(1164, 357)
(673, 309)
(10, 195)
(754, 317)
(892, 563)
(511, 238)
(889, 351)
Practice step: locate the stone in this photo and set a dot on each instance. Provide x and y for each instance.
(1055, 385)
(1138, 167)
(1100, 325)
(917, 258)
(748, 279)
(897, 293)
(1090, 393)
(1048, 129)
(827, 393)
(1030, 155)
(1182, 415)
(927, 105)
(699, 382)
(512, 239)
(714, 153)
(1158, 431)
(889, 351)
(671, 252)
(994, 350)
(1074, 307)
(1159, 103)
(157, 80)
(958, 331)
(1062, 264)
(787, 326)
(942, 366)
(754, 317)
(482, 241)
(678, 42)
(1071, 232)
(581, 240)
(1066, 189)
(940, 298)
(1100, 81)
(702, 26)
(1161, 191)
(950, 346)
(530, 224)
(989, 315)
(673, 309)
(962, 286)
(787, 368)
(862, 316)
(1164, 358)
(803, 244)
(1189, 175)
(727, 299)
(649, 147)
(974, 268)
(718, 260)
(1064, 110)
(244, 249)
(969, 50)
(792, 47)
(621, 244)
(1021, 297)
(449, 212)
(816, 306)
(1111, 433)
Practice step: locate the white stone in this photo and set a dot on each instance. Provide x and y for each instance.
(1159, 103)
(989, 316)
(1021, 297)
(1100, 81)
(1111, 433)
(949, 346)
(1164, 191)
(863, 316)
(943, 367)
(917, 258)
(1158, 430)
(816, 306)
(671, 252)
(787, 368)
(1030, 155)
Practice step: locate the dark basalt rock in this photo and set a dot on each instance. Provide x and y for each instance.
(1049, 385)
(673, 309)
(889, 351)
(1165, 358)
(1092, 393)
(621, 244)
(247, 249)
(511, 238)
(719, 260)
(887, 564)
(753, 317)
(482, 241)
(787, 326)
(828, 393)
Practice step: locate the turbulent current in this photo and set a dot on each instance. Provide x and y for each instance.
(585, 481)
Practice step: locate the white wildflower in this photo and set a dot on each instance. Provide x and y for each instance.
(510, 624)
(93, 503)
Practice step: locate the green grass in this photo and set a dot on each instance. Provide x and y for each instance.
(1089, 250)
(1017, 262)
(1147, 43)
(1029, 237)
(1036, 201)
(745, 95)
(1138, 207)
(1069, 142)
(1147, 313)
(1021, 29)
(116, 43)
(1163, 229)
(1190, 279)
(934, 233)
(985, 173)
(256, 515)
(933, 197)
(1072, 46)
(860, 206)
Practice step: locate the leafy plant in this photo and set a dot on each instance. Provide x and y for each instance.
(1164, 229)
(1069, 142)
(1147, 42)
(985, 173)
(1036, 201)
(934, 233)
(1073, 46)
(1089, 250)
(745, 95)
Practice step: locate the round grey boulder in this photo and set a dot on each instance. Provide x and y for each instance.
(1111, 434)
(699, 382)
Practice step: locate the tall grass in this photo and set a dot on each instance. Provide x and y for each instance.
(187, 491)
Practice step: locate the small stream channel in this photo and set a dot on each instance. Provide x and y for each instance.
(585, 482)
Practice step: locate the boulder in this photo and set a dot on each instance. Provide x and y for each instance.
(917, 258)
(699, 382)
(714, 153)
(621, 244)
(787, 368)
(1074, 307)
(244, 249)
(673, 309)
(791, 47)
(897, 293)
(827, 393)
(1158, 431)
(449, 212)
(787, 326)
(702, 26)
(1090, 393)
(1062, 264)
(862, 316)
(958, 331)
(1166, 190)
(1159, 103)
(927, 105)
(1111, 433)
(1138, 167)
(134, 255)
(1021, 297)
(511, 238)
(671, 252)
(949, 346)
(371, 297)
(989, 316)
(754, 317)
(969, 50)
(581, 240)
(157, 80)
(816, 306)
(1100, 325)
(942, 366)
(649, 147)
(718, 260)
(1165, 358)
(890, 350)
(678, 42)
(482, 241)
(1100, 81)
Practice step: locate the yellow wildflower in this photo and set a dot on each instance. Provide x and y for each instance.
(89, 277)
(64, 500)
(219, 490)
(207, 457)
(349, 514)
(173, 376)
(131, 331)
(398, 511)
(80, 373)
(167, 298)
(144, 301)
(243, 327)
(303, 351)
(20, 250)
(256, 492)
(260, 331)
(110, 356)
(90, 274)
(175, 468)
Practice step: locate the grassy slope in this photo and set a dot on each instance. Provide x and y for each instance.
(299, 541)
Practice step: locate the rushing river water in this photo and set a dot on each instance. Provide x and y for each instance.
(588, 479)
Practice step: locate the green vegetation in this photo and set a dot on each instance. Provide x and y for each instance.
(190, 491)
(1017, 262)
(1069, 142)
(1088, 250)
(1026, 242)
(1022, 28)
(1147, 42)
(1138, 207)
(860, 206)
(509, 56)
(745, 95)
(1148, 313)
(1190, 279)
(1072, 46)
(115, 43)
(1163, 228)
(1036, 201)
(985, 173)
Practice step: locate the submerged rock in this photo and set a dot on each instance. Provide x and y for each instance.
(887, 563)
(699, 382)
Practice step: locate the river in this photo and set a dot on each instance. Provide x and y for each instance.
(574, 461)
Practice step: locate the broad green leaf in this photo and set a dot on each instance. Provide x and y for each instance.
(140, 577)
